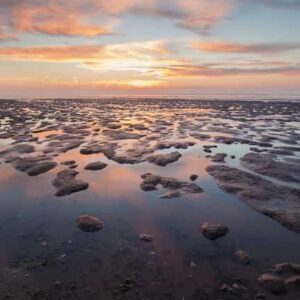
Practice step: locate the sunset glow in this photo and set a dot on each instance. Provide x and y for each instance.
(150, 47)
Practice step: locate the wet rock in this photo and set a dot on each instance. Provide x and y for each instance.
(66, 183)
(34, 166)
(200, 136)
(219, 157)
(243, 257)
(97, 165)
(286, 268)
(276, 201)
(164, 159)
(113, 126)
(68, 162)
(91, 149)
(207, 148)
(293, 282)
(147, 187)
(89, 223)
(271, 283)
(281, 152)
(145, 237)
(121, 135)
(214, 231)
(151, 181)
(139, 127)
(175, 144)
(265, 164)
(20, 148)
(191, 188)
(39, 168)
(193, 177)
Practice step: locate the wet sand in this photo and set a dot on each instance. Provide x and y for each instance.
(129, 165)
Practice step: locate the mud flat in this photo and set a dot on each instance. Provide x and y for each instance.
(149, 199)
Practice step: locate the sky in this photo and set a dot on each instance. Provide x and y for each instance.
(63, 48)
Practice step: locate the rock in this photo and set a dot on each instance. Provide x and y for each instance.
(20, 148)
(293, 282)
(68, 162)
(175, 144)
(214, 231)
(147, 187)
(260, 194)
(243, 257)
(265, 164)
(66, 183)
(71, 187)
(145, 237)
(219, 157)
(151, 181)
(40, 167)
(98, 165)
(191, 188)
(89, 223)
(91, 149)
(34, 166)
(271, 283)
(286, 268)
(113, 126)
(121, 135)
(193, 177)
(164, 159)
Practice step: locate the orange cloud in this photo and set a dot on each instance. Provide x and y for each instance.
(90, 18)
(244, 48)
(90, 55)
(55, 18)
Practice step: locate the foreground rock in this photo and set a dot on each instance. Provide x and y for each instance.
(164, 159)
(145, 237)
(94, 166)
(293, 282)
(214, 231)
(286, 268)
(272, 283)
(243, 257)
(66, 183)
(278, 202)
(265, 164)
(89, 223)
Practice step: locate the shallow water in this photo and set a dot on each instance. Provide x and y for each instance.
(43, 255)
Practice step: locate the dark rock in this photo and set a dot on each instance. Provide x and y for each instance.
(89, 223)
(271, 283)
(164, 159)
(243, 257)
(214, 231)
(98, 165)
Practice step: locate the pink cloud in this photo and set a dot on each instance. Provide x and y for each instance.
(224, 47)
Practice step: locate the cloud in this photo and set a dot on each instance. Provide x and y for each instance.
(219, 71)
(224, 47)
(51, 18)
(150, 58)
(90, 18)
(140, 57)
